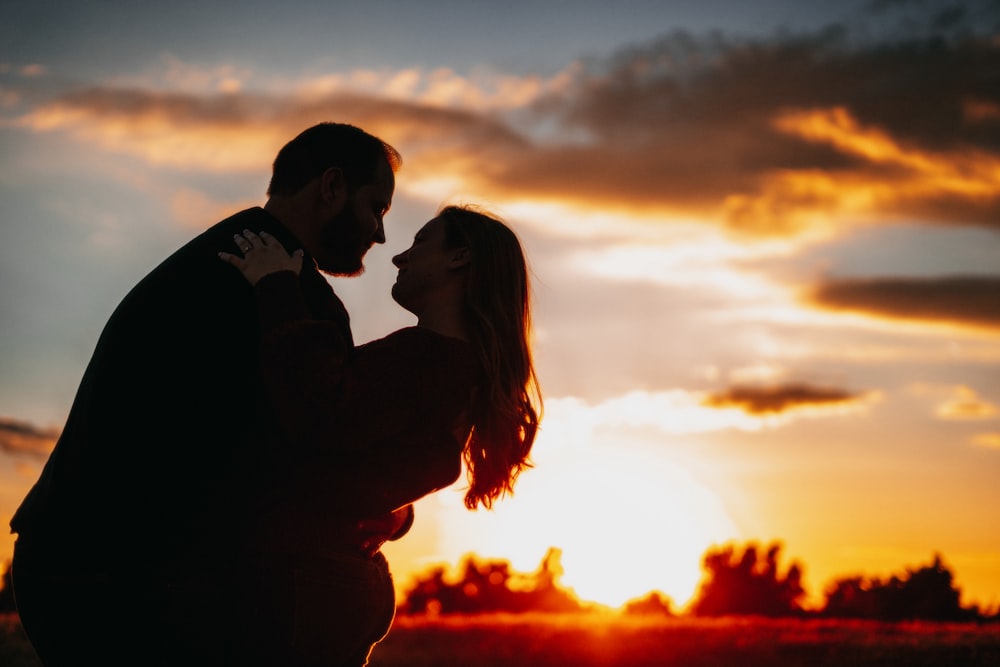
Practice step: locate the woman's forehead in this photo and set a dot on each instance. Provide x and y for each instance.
(432, 226)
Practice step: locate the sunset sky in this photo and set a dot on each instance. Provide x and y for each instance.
(764, 237)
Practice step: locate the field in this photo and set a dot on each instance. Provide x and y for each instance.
(592, 641)
(599, 641)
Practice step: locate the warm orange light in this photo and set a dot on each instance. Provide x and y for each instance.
(987, 440)
(965, 404)
(161, 131)
(794, 201)
(627, 517)
(643, 526)
(969, 174)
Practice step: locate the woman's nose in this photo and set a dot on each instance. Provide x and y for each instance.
(398, 260)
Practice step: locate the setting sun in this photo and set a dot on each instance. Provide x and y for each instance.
(657, 524)
(762, 243)
(627, 518)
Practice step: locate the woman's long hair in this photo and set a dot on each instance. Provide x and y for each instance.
(507, 405)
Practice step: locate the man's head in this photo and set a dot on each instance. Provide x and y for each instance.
(331, 185)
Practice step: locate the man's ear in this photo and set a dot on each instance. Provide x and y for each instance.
(460, 257)
(333, 186)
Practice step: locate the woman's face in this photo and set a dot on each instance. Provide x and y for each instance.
(426, 268)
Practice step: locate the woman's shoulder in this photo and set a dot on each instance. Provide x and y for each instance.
(419, 346)
(419, 336)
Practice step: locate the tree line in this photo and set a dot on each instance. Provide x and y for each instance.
(738, 580)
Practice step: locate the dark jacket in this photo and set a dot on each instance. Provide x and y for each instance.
(144, 468)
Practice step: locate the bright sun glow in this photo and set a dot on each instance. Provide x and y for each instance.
(627, 519)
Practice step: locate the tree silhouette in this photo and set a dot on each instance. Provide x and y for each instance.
(925, 593)
(7, 590)
(491, 586)
(653, 604)
(748, 583)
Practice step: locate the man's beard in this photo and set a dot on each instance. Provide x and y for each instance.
(343, 247)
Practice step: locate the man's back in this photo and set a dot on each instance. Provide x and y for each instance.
(167, 401)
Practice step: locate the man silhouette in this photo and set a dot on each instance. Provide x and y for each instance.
(124, 543)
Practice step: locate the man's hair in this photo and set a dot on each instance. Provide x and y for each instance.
(327, 145)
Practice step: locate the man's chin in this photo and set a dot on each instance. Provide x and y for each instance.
(343, 273)
(342, 268)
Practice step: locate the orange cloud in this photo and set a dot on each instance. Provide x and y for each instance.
(777, 399)
(969, 301)
(771, 138)
(966, 405)
(890, 179)
(987, 440)
(236, 132)
(216, 133)
(968, 173)
(19, 437)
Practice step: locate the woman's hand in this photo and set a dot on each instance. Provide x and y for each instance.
(262, 255)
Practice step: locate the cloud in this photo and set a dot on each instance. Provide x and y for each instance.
(894, 180)
(230, 132)
(684, 412)
(441, 87)
(19, 437)
(971, 301)
(779, 136)
(987, 441)
(966, 405)
(783, 398)
(236, 132)
(192, 208)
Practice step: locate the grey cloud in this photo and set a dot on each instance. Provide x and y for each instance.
(696, 127)
(963, 300)
(682, 124)
(21, 437)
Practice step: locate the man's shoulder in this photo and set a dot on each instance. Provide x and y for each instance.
(256, 219)
(203, 249)
(194, 273)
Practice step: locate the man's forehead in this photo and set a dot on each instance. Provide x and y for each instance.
(384, 175)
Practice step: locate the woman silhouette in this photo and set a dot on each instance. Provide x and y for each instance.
(370, 430)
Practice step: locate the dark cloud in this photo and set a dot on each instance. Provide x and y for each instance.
(689, 121)
(19, 437)
(759, 400)
(960, 300)
(690, 124)
(943, 18)
(909, 125)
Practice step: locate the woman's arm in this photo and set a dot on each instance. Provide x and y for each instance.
(330, 402)
(378, 481)
(369, 429)
(328, 395)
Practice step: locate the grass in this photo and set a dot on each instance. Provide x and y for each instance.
(15, 651)
(538, 640)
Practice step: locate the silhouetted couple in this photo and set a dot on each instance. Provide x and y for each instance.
(232, 462)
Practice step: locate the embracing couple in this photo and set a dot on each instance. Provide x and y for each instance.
(233, 462)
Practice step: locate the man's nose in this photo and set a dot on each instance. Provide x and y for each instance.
(379, 236)
(398, 260)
